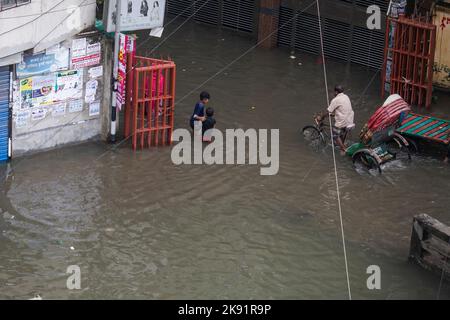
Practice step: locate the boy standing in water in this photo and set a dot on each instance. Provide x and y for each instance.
(209, 123)
(198, 116)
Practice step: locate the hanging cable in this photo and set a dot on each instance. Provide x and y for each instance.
(332, 145)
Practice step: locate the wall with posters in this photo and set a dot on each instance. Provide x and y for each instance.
(58, 95)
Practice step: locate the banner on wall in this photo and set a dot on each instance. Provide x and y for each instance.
(43, 63)
(126, 45)
(136, 15)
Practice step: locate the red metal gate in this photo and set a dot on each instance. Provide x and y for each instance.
(150, 102)
(411, 59)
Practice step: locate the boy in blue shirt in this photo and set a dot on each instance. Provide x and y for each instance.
(198, 116)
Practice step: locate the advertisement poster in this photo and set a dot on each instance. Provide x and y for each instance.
(37, 114)
(79, 47)
(91, 90)
(136, 15)
(75, 106)
(43, 63)
(22, 117)
(96, 72)
(43, 90)
(94, 109)
(126, 45)
(89, 56)
(69, 85)
(59, 109)
(26, 93)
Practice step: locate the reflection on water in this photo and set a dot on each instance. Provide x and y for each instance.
(141, 227)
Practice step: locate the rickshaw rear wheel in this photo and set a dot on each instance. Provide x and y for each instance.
(365, 160)
(399, 148)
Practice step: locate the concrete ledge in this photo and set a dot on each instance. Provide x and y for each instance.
(55, 137)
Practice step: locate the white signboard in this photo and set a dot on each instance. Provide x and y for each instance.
(136, 14)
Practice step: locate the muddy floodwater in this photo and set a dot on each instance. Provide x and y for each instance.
(140, 227)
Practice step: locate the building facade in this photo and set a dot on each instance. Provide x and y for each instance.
(52, 75)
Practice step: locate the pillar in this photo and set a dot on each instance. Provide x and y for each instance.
(268, 23)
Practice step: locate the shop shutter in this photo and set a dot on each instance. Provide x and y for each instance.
(239, 14)
(4, 112)
(286, 26)
(235, 14)
(360, 45)
(183, 8)
(383, 4)
(367, 47)
(206, 11)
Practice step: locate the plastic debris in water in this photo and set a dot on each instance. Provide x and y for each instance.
(72, 248)
(292, 57)
(36, 297)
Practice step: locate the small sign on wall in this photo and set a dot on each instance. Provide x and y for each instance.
(136, 14)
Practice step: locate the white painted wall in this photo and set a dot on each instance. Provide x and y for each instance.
(41, 24)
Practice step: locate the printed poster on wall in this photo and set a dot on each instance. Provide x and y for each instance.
(26, 93)
(69, 85)
(96, 72)
(59, 109)
(43, 90)
(91, 91)
(75, 106)
(79, 47)
(126, 45)
(84, 54)
(38, 114)
(21, 118)
(136, 14)
(94, 109)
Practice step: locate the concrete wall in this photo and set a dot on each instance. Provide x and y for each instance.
(42, 23)
(71, 128)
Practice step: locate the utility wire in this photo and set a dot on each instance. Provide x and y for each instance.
(334, 153)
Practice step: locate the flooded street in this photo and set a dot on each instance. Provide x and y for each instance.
(140, 227)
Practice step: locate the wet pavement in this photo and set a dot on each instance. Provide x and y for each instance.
(141, 227)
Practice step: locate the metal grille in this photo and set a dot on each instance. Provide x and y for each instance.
(363, 46)
(367, 47)
(235, 14)
(238, 14)
(383, 4)
(207, 11)
(286, 26)
(4, 112)
(336, 36)
(307, 33)
(183, 8)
